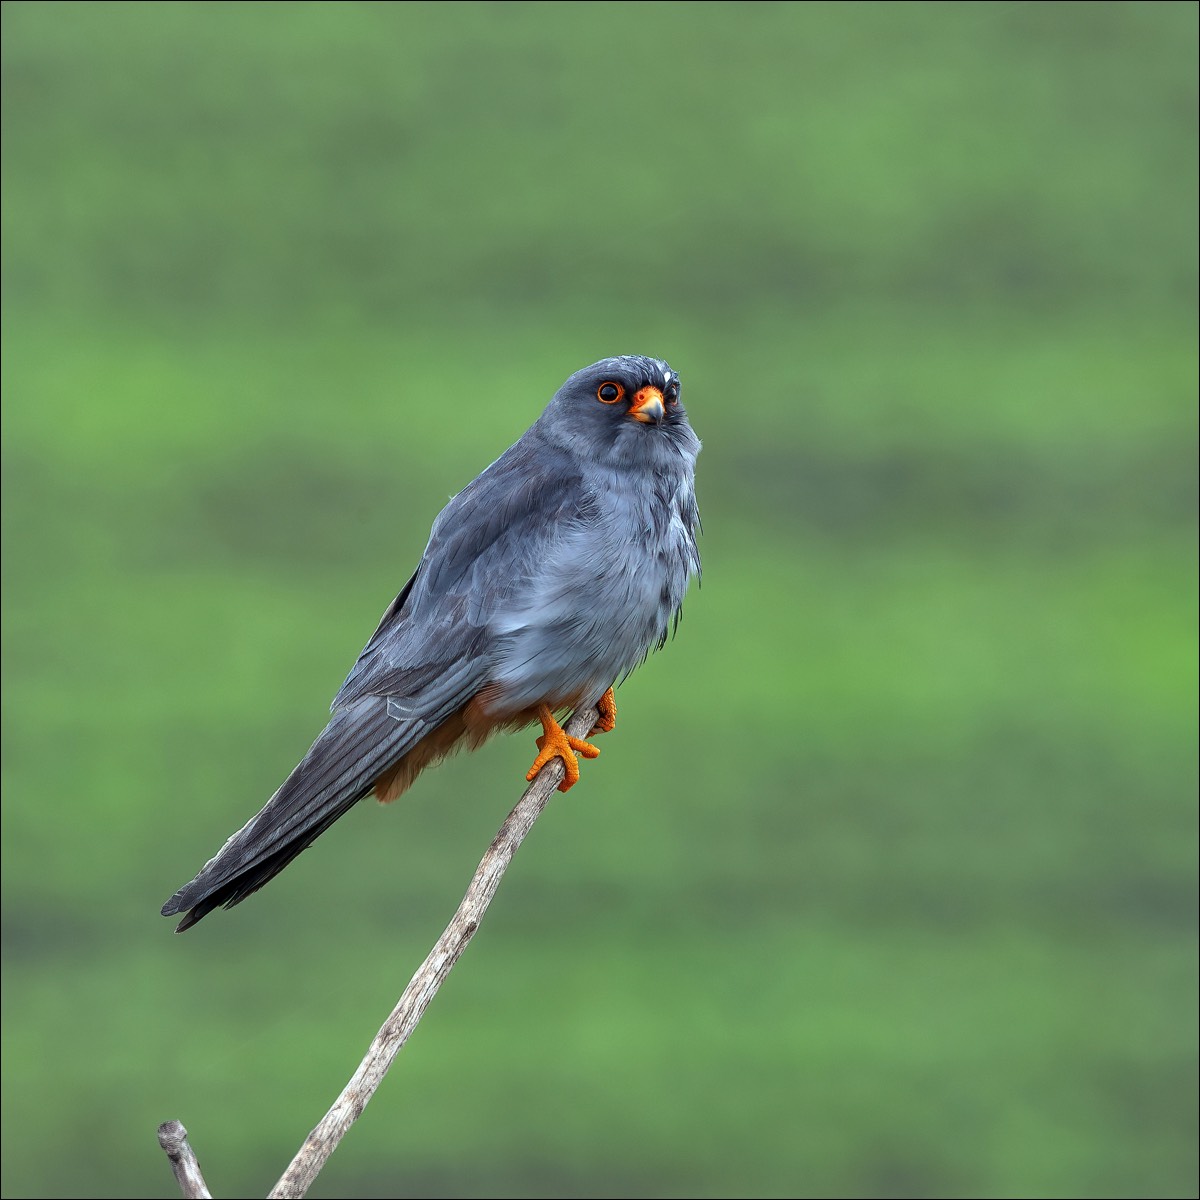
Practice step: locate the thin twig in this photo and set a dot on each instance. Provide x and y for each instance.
(172, 1137)
(390, 1039)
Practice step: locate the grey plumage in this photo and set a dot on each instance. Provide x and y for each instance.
(545, 581)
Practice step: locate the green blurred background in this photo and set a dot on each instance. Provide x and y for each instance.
(886, 884)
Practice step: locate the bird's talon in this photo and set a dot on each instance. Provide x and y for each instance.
(555, 742)
(606, 721)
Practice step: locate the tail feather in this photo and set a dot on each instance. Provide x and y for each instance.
(359, 744)
(364, 740)
(249, 881)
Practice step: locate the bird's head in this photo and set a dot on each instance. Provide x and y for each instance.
(622, 410)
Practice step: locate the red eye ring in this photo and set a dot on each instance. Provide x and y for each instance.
(610, 393)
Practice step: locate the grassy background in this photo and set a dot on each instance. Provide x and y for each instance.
(886, 886)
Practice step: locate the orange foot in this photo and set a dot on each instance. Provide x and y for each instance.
(556, 743)
(607, 708)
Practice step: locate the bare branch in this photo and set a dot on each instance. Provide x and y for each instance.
(390, 1039)
(172, 1137)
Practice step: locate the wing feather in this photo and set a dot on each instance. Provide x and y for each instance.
(428, 657)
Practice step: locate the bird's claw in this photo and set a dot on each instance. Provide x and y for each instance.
(555, 742)
(606, 722)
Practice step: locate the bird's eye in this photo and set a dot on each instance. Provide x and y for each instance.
(671, 395)
(609, 393)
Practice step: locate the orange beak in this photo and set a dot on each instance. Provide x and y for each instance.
(648, 406)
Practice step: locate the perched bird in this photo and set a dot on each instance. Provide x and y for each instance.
(545, 581)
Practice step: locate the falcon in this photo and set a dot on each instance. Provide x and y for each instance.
(545, 582)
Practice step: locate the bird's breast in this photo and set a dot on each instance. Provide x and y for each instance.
(598, 603)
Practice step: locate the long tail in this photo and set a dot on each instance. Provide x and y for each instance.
(362, 742)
